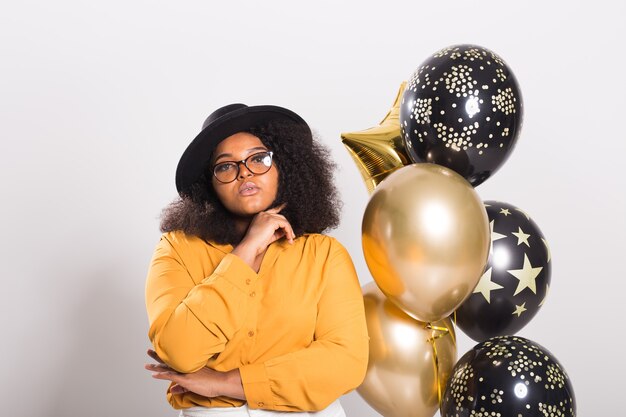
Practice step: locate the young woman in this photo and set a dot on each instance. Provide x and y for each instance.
(252, 310)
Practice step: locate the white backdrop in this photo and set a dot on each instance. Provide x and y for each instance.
(99, 99)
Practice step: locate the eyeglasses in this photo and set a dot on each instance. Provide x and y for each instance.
(258, 163)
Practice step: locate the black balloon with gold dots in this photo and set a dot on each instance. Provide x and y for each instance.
(516, 279)
(462, 108)
(508, 376)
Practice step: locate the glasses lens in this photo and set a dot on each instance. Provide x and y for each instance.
(259, 163)
(225, 172)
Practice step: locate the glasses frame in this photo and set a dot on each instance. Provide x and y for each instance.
(245, 163)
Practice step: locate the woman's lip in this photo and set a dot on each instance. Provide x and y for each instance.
(248, 188)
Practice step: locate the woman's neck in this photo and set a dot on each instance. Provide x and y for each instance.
(241, 225)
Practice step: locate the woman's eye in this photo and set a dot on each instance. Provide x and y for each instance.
(263, 159)
(224, 167)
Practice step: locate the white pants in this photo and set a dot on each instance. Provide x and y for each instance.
(333, 410)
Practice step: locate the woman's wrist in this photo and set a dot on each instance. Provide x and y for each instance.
(246, 253)
(231, 385)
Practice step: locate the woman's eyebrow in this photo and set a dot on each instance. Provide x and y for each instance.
(249, 151)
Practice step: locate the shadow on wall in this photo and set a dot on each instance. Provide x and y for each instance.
(102, 372)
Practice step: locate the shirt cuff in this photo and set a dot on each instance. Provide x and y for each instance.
(256, 386)
(234, 270)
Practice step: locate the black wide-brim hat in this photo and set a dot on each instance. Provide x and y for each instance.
(220, 124)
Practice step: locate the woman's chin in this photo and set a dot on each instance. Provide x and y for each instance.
(251, 210)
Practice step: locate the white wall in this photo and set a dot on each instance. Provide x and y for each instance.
(99, 99)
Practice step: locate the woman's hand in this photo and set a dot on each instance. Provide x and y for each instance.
(266, 227)
(206, 382)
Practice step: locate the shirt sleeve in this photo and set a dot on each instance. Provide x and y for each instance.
(332, 365)
(189, 322)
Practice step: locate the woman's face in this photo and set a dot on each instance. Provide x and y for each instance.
(249, 193)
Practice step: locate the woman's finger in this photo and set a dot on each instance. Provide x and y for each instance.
(154, 356)
(284, 224)
(276, 209)
(283, 228)
(157, 367)
(178, 389)
(168, 375)
(276, 222)
(278, 233)
(289, 232)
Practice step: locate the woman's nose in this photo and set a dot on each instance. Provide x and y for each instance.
(244, 171)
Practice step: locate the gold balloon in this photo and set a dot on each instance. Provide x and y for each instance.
(409, 361)
(379, 150)
(426, 239)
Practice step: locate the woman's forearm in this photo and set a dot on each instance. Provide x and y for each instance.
(231, 385)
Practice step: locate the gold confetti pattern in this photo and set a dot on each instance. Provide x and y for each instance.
(549, 410)
(422, 110)
(504, 101)
(483, 413)
(459, 81)
(556, 377)
(444, 52)
(451, 91)
(508, 376)
(458, 382)
(500, 74)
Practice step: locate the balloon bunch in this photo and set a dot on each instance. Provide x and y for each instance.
(440, 255)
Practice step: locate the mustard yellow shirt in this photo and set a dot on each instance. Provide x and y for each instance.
(296, 329)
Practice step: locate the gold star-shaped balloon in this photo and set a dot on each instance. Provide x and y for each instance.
(521, 237)
(379, 150)
(526, 276)
(486, 285)
(505, 211)
(520, 309)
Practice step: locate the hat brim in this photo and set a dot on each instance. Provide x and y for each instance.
(197, 157)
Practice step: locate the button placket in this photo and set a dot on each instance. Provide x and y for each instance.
(254, 310)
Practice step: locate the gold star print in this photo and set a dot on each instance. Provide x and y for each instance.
(521, 237)
(545, 242)
(545, 296)
(494, 235)
(486, 285)
(526, 276)
(505, 211)
(519, 309)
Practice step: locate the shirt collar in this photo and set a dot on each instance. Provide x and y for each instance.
(227, 248)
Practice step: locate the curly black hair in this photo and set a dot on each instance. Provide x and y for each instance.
(304, 183)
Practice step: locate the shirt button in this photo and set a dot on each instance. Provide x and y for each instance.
(248, 281)
(250, 333)
(260, 403)
(252, 294)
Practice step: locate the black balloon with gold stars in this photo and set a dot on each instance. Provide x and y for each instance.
(508, 376)
(462, 108)
(516, 279)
